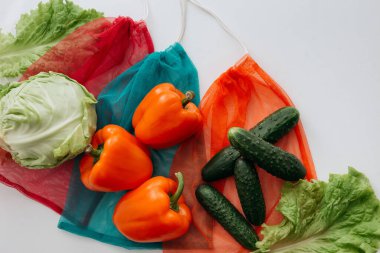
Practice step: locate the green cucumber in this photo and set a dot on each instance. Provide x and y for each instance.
(274, 160)
(227, 215)
(249, 191)
(276, 125)
(271, 129)
(221, 165)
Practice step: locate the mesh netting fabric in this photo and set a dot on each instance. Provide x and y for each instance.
(89, 213)
(242, 96)
(93, 54)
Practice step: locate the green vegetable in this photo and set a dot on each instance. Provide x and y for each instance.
(342, 215)
(46, 120)
(277, 124)
(36, 33)
(227, 215)
(271, 158)
(271, 129)
(249, 191)
(221, 165)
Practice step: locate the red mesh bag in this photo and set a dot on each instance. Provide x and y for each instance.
(97, 52)
(242, 96)
(93, 54)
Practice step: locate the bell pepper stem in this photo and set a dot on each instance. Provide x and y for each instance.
(175, 197)
(93, 151)
(189, 95)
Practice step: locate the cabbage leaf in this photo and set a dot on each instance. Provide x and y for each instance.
(342, 215)
(36, 33)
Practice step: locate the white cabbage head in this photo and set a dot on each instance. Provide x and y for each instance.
(46, 120)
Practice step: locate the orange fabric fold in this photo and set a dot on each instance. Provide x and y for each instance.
(242, 96)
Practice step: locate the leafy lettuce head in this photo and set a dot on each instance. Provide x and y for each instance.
(341, 215)
(46, 120)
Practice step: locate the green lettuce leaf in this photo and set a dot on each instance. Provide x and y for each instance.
(342, 215)
(36, 33)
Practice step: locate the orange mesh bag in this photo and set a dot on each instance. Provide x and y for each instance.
(242, 96)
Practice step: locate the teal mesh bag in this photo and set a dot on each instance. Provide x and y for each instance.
(89, 213)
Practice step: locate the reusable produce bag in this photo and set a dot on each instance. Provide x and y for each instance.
(93, 54)
(36, 32)
(97, 52)
(242, 96)
(89, 213)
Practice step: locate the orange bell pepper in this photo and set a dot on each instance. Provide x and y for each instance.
(166, 117)
(154, 212)
(115, 161)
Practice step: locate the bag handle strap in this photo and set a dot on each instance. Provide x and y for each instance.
(146, 10)
(183, 19)
(213, 15)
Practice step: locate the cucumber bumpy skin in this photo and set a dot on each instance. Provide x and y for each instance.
(227, 215)
(276, 125)
(271, 129)
(274, 160)
(249, 191)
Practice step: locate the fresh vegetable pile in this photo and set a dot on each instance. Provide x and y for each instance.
(84, 46)
(116, 160)
(341, 215)
(236, 190)
(251, 148)
(271, 129)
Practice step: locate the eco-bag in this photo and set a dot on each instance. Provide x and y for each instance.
(241, 96)
(93, 54)
(89, 213)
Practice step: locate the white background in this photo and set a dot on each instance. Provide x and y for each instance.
(325, 54)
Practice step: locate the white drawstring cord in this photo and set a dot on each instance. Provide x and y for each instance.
(183, 19)
(146, 7)
(211, 13)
